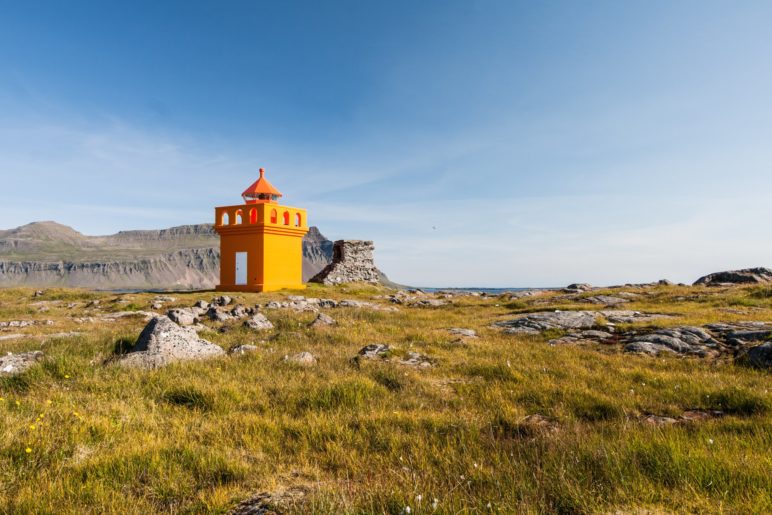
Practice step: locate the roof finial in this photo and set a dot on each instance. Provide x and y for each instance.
(262, 172)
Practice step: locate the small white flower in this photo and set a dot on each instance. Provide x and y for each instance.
(435, 502)
(710, 441)
(419, 497)
(489, 506)
(407, 509)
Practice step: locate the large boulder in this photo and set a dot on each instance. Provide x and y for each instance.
(352, 261)
(162, 342)
(183, 316)
(745, 276)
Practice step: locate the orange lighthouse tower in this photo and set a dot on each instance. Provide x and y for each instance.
(261, 241)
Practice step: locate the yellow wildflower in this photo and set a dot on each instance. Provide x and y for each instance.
(28, 450)
(66, 376)
(32, 427)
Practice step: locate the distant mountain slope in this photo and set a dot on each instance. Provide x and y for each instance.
(184, 257)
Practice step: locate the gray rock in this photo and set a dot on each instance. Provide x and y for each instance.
(375, 351)
(162, 342)
(323, 320)
(745, 276)
(222, 300)
(14, 364)
(758, 357)
(577, 287)
(606, 300)
(217, 314)
(243, 349)
(183, 316)
(328, 303)
(535, 323)
(305, 359)
(430, 303)
(201, 304)
(296, 298)
(630, 317)
(239, 311)
(678, 340)
(258, 322)
(466, 333)
(665, 282)
(414, 359)
(352, 261)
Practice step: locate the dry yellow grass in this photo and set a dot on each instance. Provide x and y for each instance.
(79, 436)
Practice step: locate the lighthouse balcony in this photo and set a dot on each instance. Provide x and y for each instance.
(260, 214)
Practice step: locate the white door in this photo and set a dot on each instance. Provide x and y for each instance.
(241, 268)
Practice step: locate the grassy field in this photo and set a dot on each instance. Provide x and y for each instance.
(79, 436)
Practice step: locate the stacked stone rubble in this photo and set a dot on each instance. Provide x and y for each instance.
(352, 261)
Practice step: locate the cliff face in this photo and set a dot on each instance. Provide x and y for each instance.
(186, 257)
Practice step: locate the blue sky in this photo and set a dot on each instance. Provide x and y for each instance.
(478, 143)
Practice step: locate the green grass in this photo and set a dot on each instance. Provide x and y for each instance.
(374, 436)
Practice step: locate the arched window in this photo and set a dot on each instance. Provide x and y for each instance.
(225, 219)
(286, 218)
(273, 216)
(297, 220)
(253, 216)
(239, 217)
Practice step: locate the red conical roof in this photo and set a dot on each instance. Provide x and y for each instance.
(260, 187)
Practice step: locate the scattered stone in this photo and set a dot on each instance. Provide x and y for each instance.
(92, 304)
(758, 357)
(466, 333)
(375, 351)
(678, 340)
(162, 342)
(322, 320)
(328, 303)
(296, 298)
(745, 276)
(183, 316)
(665, 282)
(243, 349)
(39, 293)
(606, 300)
(111, 317)
(14, 364)
(25, 323)
(239, 311)
(258, 322)
(274, 305)
(218, 314)
(164, 298)
(156, 305)
(222, 300)
(201, 304)
(14, 336)
(352, 261)
(414, 359)
(741, 335)
(305, 359)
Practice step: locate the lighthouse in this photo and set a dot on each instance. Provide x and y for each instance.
(261, 241)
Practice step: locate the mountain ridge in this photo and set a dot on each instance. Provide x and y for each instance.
(182, 257)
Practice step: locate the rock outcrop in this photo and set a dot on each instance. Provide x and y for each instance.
(745, 276)
(163, 342)
(352, 261)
